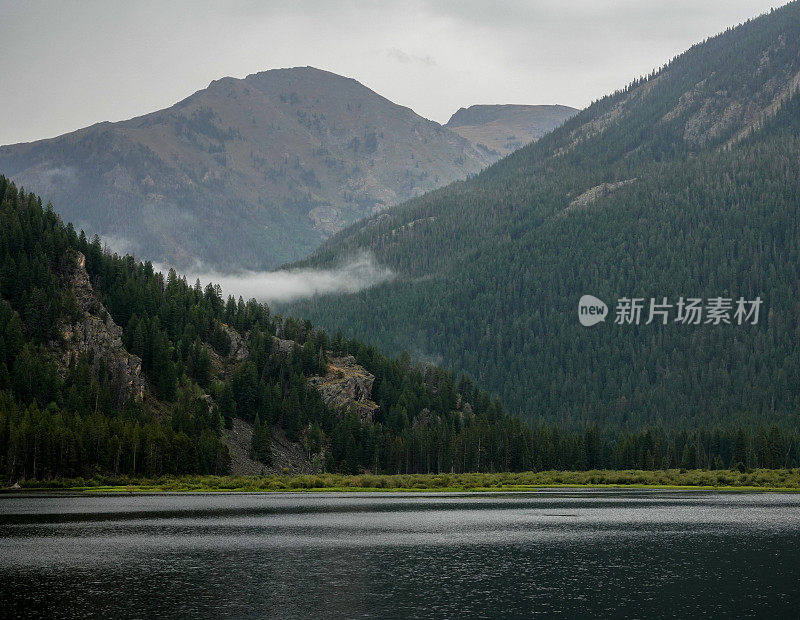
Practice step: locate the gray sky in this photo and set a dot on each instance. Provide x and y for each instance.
(67, 64)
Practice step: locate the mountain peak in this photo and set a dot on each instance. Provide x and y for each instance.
(273, 163)
(480, 114)
(503, 128)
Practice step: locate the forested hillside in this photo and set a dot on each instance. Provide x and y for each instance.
(72, 406)
(684, 184)
(79, 396)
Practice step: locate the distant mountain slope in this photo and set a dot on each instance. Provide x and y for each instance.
(247, 173)
(502, 129)
(684, 184)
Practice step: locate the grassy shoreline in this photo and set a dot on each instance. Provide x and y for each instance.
(782, 480)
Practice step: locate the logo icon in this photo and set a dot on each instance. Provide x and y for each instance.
(591, 310)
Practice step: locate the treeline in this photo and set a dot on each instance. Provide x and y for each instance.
(54, 442)
(486, 447)
(58, 442)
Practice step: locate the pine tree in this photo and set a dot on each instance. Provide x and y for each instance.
(261, 445)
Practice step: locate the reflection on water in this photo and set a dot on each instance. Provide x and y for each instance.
(625, 554)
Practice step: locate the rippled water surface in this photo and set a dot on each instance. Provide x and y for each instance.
(631, 554)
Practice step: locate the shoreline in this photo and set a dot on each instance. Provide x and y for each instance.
(758, 480)
(148, 490)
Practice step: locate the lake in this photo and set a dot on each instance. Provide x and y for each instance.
(349, 555)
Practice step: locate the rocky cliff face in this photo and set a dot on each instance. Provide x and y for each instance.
(95, 334)
(347, 386)
(284, 346)
(239, 349)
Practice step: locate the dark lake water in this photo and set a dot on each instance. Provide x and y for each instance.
(587, 553)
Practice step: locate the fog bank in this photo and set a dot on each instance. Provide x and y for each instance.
(288, 285)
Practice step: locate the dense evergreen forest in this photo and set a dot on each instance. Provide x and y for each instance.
(488, 275)
(489, 271)
(80, 419)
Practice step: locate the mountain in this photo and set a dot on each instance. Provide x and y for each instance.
(270, 165)
(682, 185)
(110, 368)
(502, 129)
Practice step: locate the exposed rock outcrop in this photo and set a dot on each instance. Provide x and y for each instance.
(95, 334)
(239, 439)
(593, 194)
(327, 219)
(347, 386)
(284, 346)
(287, 456)
(778, 101)
(239, 349)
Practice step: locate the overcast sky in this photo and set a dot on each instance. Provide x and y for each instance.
(65, 64)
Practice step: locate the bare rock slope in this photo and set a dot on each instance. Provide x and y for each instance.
(96, 335)
(288, 457)
(345, 387)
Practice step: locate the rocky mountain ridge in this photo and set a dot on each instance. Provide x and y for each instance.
(501, 129)
(271, 164)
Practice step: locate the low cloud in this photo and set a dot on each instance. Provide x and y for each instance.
(292, 284)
